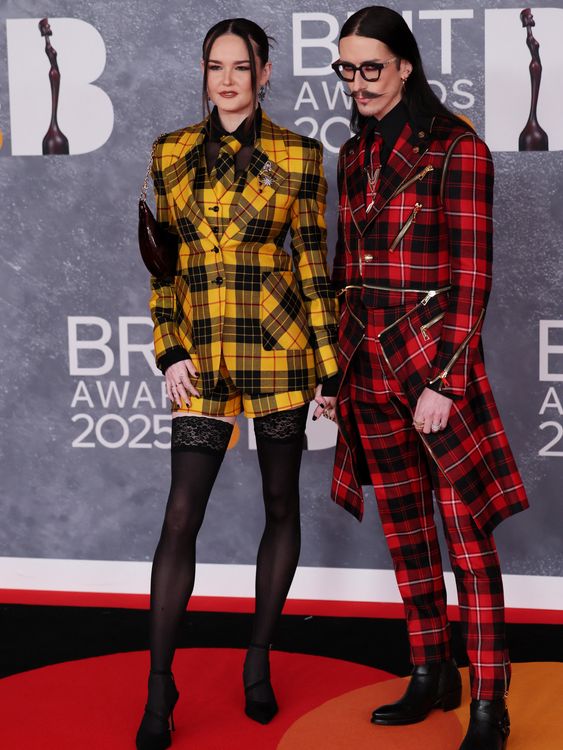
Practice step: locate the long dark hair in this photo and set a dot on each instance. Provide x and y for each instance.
(389, 27)
(257, 43)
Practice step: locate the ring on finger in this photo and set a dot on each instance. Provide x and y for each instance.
(435, 427)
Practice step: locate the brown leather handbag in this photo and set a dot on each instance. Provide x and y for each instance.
(158, 246)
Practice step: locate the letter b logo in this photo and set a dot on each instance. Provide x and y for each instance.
(85, 112)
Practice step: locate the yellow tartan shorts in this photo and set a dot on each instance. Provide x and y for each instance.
(226, 400)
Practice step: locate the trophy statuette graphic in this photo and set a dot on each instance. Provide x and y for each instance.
(533, 137)
(54, 142)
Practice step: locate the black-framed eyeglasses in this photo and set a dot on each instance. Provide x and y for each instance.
(369, 70)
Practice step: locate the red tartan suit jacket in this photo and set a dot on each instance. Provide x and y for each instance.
(429, 230)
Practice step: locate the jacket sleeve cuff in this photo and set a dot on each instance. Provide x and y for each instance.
(331, 385)
(170, 357)
(443, 390)
(325, 362)
(452, 386)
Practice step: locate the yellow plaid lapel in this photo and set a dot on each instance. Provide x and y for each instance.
(181, 181)
(266, 174)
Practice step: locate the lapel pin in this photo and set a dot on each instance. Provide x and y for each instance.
(265, 176)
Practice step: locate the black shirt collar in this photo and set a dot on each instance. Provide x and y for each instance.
(216, 131)
(391, 125)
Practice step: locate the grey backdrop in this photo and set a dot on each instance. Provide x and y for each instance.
(69, 249)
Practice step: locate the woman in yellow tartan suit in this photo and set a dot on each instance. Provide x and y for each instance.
(242, 327)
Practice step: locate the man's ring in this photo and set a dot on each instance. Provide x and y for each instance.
(435, 427)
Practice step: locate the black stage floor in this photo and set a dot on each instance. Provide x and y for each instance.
(36, 636)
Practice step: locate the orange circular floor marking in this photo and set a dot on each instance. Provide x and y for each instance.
(235, 436)
(342, 723)
(534, 703)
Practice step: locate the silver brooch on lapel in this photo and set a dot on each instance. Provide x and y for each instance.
(265, 176)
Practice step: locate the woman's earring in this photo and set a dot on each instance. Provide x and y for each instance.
(262, 93)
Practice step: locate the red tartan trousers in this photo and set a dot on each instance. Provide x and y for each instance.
(404, 479)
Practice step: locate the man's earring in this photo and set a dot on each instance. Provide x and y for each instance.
(262, 93)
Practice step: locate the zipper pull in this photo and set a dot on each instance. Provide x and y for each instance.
(425, 336)
(428, 168)
(431, 293)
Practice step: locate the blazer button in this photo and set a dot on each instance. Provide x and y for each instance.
(421, 134)
(219, 280)
(215, 249)
(416, 149)
(214, 208)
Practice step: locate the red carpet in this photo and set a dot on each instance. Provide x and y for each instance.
(324, 705)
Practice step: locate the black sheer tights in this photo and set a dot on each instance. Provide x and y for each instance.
(279, 443)
(198, 448)
(173, 570)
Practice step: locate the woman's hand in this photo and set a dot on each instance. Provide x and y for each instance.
(178, 384)
(432, 411)
(326, 404)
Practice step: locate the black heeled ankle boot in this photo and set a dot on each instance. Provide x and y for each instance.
(158, 719)
(489, 726)
(431, 686)
(263, 706)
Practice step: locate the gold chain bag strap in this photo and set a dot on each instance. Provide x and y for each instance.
(158, 246)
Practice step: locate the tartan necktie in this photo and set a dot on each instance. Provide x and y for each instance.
(224, 168)
(372, 168)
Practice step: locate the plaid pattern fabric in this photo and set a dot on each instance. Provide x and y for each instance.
(404, 499)
(473, 451)
(237, 293)
(226, 400)
(403, 479)
(412, 239)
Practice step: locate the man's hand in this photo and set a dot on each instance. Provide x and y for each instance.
(432, 411)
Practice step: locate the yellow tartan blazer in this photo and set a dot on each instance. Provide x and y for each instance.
(271, 315)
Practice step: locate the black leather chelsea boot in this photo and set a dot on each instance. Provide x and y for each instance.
(489, 726)
(435, 685)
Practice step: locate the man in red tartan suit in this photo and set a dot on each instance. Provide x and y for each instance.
(415, 410)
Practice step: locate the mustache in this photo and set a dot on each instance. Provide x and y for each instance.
(362, 95)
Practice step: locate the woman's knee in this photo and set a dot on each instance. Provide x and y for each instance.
(182, 519)
(281, 502)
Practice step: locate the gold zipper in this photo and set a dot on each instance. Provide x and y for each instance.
(420, 176)
(405, 228)
(424, 328)
(423, 302)
(387, 289)
(444, 374)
